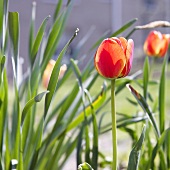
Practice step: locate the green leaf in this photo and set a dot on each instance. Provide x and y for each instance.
(54, 76)
(30, 103)
(168, 149)
(95, 133)
(76, 69)
(57, 9)
(96, 104)
(135, 153)
(38, 40)
(145, 77)
(142, 102)
(13, 21)
(84, 166)
(54, 36)
(16, 120)
(160, 142)
(32, 25)
(1, 16)
(162, 102)
(124, 27)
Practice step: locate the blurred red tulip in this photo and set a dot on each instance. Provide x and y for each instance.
(113, 59)
(48, 71)
(156, 44)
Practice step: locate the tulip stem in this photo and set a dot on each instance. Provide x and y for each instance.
(114, 132)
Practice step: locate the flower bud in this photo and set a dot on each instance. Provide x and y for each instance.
(156, 44)
(48, 72)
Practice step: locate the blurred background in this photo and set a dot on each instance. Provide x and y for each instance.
(93, 17)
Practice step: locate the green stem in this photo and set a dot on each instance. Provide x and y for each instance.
(114, 133)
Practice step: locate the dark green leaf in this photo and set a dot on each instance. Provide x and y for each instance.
(135, 153)
(142, 102)
(160, 142)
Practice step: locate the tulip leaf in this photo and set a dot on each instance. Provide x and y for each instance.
(38, 40)
(1, 16)
(161, 98)
(57, 9)
(84, 166)
(53, 38)
(160, 142)
(135, 153)
(55, 74)
(124, 27)
(30, 103)
(145, 77)
(13, 19)
(96, 104)
(31, 31)
(142, 102)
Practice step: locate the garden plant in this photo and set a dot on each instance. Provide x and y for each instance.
(57, 108)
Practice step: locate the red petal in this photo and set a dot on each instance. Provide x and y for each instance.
(129, 57)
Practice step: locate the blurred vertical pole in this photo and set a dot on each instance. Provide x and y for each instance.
(116, 13)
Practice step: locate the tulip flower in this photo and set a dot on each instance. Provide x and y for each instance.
(113, 59)
(156, 44)
(48, 71)
(114, 56)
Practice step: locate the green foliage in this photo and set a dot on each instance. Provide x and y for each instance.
(43, 136)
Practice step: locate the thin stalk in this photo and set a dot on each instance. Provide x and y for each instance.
(114, 133)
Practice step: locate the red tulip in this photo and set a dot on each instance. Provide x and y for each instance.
(113, 59)
(156, 44)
